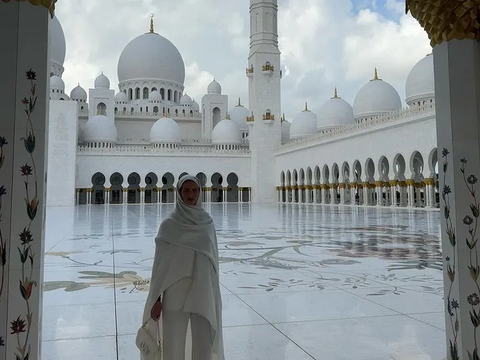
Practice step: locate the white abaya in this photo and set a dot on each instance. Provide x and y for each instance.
(186, 266)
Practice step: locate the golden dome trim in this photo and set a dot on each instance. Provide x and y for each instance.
(446, 20)
(49, 4)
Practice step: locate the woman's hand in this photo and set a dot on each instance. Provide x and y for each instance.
(156, 310)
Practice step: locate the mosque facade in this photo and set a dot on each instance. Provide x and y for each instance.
(131, 146)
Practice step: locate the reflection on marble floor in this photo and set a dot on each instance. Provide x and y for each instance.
(298, 281)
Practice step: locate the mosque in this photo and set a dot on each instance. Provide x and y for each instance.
(132, 146)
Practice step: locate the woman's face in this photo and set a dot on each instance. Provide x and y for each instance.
(189, 192)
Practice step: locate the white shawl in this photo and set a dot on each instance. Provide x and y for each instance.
(188, 226)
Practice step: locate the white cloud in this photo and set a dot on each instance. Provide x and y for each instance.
(324, 44)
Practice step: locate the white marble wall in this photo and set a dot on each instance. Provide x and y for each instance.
(24, 74)
(62, 153)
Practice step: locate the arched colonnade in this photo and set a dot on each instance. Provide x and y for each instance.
(404, 181)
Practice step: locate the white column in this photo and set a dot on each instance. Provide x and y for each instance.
(341, 186)
(379, 192)
(142, 195)
(366, 194)
(457, 81)
(393, 193)
(410, 193)
(315, 194)
(25, 75)
(77, 196)
(324, 189)
(107, 196)
(239, 194)
(333, 194)
(125, 195)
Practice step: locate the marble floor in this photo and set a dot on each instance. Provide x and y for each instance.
(299, 282)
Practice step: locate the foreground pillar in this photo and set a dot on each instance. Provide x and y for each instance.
(24, 74)
(453, 29)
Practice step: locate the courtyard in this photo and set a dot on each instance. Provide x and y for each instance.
(299, 282)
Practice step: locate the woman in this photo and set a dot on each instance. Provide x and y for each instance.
(184, 293)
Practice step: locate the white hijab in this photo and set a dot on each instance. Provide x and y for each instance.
(190, 226)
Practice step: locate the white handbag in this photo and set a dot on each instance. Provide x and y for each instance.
(151, 348)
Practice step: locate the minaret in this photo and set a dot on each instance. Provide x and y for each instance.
(264, 76)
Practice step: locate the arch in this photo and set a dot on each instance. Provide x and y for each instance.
(301, 177)
(155, 110)
(417, 166)
(369, 171)
(326, 174)
(399, 167)
(202, 178)
(115, 111)
(433, 163)
(289, 178)
(133, 191)
(232, 187)
(345, 172)
(282, 178)
(168, 195)
(295, 177)
(335, 173)
(357, 172)
(98, 188)
(151, 181)
(116, 189)
(317, 174)
(217, 189)
(137, 93)
(154, 88)
(130, 94)
(145, 93)
(383, 169)
(216, 116)
(309, 176)
(169, 94)
(175, 96)
(101, 109)
(162, 93)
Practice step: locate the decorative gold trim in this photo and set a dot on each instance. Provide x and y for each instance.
(342, 185)
(410, 182)
(402, 183)
(447, 19)
(429, 181)
(107, 189)
(49, 4)
(393, 182)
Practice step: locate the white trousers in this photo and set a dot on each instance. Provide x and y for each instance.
(175, 325)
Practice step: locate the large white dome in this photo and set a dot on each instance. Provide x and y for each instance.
(185, 100)
(57, 83)
(375, 98)
(335, 112)
(58, 47)
(100, 129)
(214, 88)
(102, 82)
(420, 84)
(121, 97)
(239, 115)
(151, 57)
(226, 132)
(165, 131)
(304, 124)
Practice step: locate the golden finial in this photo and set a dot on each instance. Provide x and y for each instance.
(306, 107)
(239, 102)
(375, 75)
(227, 116)
(335, 94)
(283, 118)
(151, 23)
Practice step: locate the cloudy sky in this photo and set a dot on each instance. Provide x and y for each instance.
(324, 43)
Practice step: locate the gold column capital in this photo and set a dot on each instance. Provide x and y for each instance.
(49, 4)
(410, 182)
(447, 19)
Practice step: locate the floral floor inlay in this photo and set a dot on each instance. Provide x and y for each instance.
(298, 282)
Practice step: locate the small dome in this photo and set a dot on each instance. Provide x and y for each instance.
(121, 97)
(100, 129)
(285, 131)
(78, 93)
(375, 98)
(57, 83)
(195, 106)
(239, 115)
(185, 100)
(155, 96)
(335, 112)
(304, 124)
(102, 82)
(214, 88)
(58, 47)
(226, 132)
(420, 84)
(165, 131)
